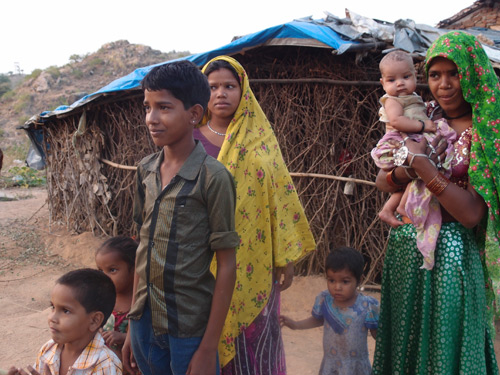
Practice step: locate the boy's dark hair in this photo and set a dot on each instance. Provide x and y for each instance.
(92, 289)
(344, 257)
(222, 64)
(124, 246)
(182, 79)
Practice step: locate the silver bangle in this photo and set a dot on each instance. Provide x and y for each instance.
(409, 175)
(413, 157)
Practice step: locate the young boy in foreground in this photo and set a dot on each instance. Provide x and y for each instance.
(184, 212)
(81, 302)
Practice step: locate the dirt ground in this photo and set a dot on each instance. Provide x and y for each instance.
(34, 252)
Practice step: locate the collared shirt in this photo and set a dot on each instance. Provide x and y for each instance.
(96, 359)
(180, 227)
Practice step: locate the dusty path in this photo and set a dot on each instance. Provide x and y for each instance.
(33, 255)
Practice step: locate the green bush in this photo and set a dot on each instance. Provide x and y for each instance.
(27, 177)
(53, 71)
(75, 58)
(22, 103)
(77, 73)
(4, 84)
(9, 95)
(34, 74)
(95, 62)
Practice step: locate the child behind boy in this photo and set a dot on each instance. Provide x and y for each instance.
(184, 211)
(345, 314)
(81, 302)
(403, 111)
(116, 258)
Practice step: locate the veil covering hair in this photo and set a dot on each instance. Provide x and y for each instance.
(270, 220)
(481, 89)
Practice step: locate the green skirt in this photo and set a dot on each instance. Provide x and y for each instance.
(433, 322)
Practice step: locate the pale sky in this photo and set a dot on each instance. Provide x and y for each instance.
(40, 33)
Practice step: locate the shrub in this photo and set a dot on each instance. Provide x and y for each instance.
(34, 74)
(22, 103)
(27, 177)
(95, 62)
(53, 71)
(77, 73)
(4, 84)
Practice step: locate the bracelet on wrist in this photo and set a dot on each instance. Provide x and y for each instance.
(423, 126)
(413, 157)
(392, 180)
(437, 184)
(409, 175)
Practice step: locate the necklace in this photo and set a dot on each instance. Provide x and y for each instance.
(215, 131)
(459, 116)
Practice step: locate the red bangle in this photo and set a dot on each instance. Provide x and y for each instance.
(437, 184)
(392, 181)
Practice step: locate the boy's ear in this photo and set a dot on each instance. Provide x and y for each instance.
(196, 112)
(96, 320)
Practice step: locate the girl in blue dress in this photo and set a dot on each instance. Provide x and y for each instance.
(346, 316)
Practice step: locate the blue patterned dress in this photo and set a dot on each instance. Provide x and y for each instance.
(345, 333)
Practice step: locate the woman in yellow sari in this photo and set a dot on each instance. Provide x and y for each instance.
(273, 229)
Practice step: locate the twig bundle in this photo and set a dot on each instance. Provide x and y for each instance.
(322, 128)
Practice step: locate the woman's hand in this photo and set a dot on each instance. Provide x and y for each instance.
(287, 273)
(435, 151)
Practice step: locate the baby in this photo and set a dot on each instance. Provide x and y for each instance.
(404, 114)
(402, 109)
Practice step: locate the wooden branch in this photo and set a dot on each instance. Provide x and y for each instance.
(293, 174)
(120, 166)
(346, 179)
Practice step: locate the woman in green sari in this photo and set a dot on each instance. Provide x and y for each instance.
(438, 321)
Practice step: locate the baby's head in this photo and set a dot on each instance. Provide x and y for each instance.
(344, 270)
(398, 73)
(116, 258)
(81, 302)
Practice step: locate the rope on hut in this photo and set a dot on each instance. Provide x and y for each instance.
(293, 174)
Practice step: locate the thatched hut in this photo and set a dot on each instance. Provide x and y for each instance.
(317, 81)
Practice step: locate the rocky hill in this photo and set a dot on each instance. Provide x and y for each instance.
(47, 89)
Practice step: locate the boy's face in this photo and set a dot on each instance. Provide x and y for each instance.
(168, 122)
(342, 286)
(69, 322)
(398, 78)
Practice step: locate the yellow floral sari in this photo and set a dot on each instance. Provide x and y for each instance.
(270, 220)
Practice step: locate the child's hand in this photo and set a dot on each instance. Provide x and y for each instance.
(287, 322)
(32, 371)
(430, 126)
(113, 338)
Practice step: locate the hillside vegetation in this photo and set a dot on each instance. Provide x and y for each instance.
(43, 90)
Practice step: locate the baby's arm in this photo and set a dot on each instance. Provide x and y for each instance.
(308, 323)
(395, 111)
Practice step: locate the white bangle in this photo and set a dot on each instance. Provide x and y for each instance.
(409, 175)
(413, 157)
